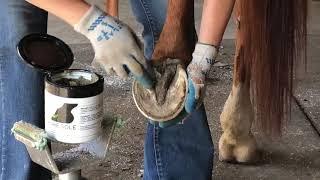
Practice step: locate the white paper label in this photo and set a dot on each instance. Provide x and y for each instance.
(83, 115)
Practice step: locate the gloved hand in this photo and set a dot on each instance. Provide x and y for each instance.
(204, 57)
(116, 46)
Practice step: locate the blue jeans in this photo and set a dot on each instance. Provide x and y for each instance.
(184, 151)
(21, 89)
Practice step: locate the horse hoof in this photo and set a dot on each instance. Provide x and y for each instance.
(243, 151)
(166, 100)
(225, 150)
(246, 153)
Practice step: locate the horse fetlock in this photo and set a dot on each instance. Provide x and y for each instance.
(237, 115)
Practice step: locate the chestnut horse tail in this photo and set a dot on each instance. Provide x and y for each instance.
(273, 37)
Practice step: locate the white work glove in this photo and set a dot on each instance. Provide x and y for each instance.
(116, 46)
(204, 57)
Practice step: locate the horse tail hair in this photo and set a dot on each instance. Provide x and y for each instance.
(273, 34)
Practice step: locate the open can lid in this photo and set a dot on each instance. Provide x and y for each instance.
(45, 52)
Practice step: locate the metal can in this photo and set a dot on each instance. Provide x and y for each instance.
(73, 105)
(73, 97)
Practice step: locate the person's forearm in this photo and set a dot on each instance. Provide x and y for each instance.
(70, 11)
(112, 7)
(215, 17)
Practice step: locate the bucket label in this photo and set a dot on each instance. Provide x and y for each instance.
(73, 120)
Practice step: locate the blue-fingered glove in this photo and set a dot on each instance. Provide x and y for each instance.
(116, 47)
(145, 79)
(203, 58)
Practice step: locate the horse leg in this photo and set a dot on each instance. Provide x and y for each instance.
(178, 37)
(237, 142)
(172, 53)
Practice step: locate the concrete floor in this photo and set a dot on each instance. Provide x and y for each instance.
(308, 86)
(295, 156)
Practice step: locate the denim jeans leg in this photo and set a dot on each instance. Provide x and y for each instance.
(151, 14)
(21, 89)
(184, 151)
